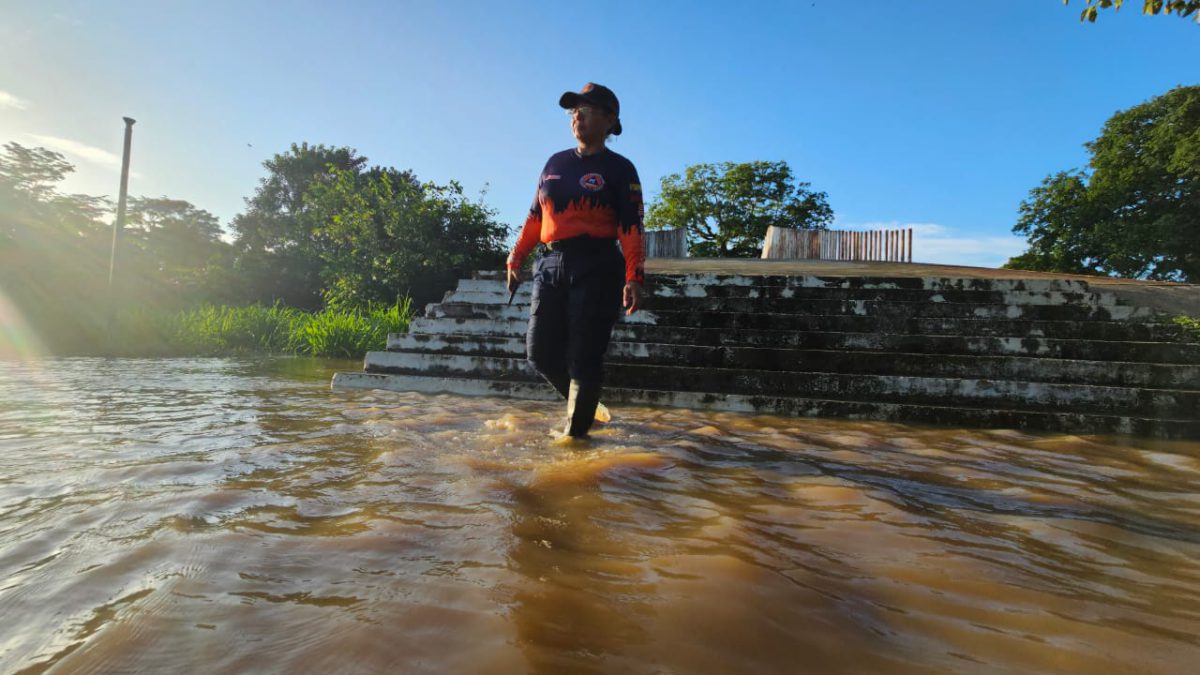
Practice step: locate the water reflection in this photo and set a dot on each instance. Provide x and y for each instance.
(238, 514)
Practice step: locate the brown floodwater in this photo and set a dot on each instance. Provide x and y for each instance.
(225, 515)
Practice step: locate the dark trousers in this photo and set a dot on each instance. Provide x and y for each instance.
(576, 302)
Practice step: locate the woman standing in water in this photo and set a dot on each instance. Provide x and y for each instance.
(588, 199)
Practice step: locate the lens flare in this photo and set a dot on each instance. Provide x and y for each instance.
(17, 338)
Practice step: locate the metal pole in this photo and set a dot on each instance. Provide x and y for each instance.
(119, 223)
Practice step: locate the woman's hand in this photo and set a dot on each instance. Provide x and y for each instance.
(633, 297)
(514, 279)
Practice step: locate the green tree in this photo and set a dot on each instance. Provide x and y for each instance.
(1135, 211)
(279, 258)
(176, 249)
(386, 235)
(1183, 8)
(34, 211)
(32, 172)
(53, 246)
(727, 207)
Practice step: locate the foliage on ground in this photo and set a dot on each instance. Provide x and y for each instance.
(215, 330)
(1190, 326)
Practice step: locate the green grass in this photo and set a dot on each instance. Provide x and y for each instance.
(214, 330)
(1190, 326)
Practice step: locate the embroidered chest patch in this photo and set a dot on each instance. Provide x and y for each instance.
(592, 182)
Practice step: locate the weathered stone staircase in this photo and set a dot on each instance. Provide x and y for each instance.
(1044, 354)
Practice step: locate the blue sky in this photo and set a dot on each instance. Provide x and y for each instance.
(935, 114)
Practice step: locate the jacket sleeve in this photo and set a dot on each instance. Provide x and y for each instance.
(630, 212)
(531, 232)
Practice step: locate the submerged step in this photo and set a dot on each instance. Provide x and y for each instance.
(1030, 369)
(933, 390)
(795, 406)
(960, 392)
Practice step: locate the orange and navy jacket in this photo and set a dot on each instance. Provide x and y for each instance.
(595, 195)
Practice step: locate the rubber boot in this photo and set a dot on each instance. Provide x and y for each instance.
(581, 408)
(563, 386)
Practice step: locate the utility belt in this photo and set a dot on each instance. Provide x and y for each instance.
(581, 244)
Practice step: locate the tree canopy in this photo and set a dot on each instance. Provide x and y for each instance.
(322, 228)
(1182, 8)
(1135, 210)
(278, 255)
(726, 208)
(382, 234)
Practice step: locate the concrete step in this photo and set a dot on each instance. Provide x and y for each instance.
(494, 292)
(891, 309)
(941, 391)
(867, 308)
(866, 282)
(1166, 403)
(909, 412)
(423, 330)
(1030, 369)
(1039, 353)
(891, 323)
(900, 325)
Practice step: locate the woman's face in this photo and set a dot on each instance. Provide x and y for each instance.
(590, 124)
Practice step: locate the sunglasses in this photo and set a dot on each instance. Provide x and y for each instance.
(585, 111)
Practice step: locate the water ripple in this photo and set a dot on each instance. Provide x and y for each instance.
(238, 514)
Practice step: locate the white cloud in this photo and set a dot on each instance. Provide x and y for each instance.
(88, 153)
(934, 243)
(8, 100)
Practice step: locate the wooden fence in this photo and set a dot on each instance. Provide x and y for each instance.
(666, 243)
(874, 245)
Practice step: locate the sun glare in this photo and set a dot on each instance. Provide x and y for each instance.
(17, 338)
